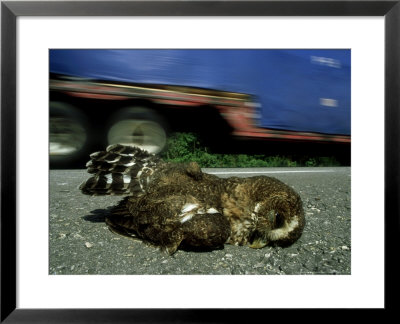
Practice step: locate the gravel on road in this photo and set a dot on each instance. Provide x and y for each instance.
(80, 242)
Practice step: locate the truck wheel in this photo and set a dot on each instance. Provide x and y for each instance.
(138, 126)
(69, 136)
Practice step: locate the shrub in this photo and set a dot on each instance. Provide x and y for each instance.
(186, 147)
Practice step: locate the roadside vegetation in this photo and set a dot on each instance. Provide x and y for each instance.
(186, 147)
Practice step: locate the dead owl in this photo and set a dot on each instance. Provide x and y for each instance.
(173, 205)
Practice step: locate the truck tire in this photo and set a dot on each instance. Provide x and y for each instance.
(68, 135)
(140, 127)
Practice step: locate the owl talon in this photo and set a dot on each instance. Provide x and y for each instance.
(171, 249)
(258, 244)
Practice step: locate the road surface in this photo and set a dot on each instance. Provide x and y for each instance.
(80, 242)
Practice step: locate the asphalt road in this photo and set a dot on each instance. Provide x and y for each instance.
(80, 242)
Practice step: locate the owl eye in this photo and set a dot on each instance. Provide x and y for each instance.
(279, 220)
(275, 218)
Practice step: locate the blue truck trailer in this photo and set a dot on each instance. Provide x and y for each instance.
(137, 96)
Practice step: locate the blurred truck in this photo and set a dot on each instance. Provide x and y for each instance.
(137, 97)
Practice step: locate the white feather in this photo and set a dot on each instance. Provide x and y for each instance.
(187, 217)
(109, 178)
(257, 207)
(283, 231)
(188, 207)
(212, 211)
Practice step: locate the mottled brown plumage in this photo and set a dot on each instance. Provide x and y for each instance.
(171, 205)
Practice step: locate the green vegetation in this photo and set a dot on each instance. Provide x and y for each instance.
(186, 147)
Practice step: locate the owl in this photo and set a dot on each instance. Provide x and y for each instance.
(176, 205)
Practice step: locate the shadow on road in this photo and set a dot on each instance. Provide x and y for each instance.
(98, 215)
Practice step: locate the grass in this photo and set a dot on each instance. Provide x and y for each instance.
(186, 147)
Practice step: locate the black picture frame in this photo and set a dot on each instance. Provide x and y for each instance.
(11, 10)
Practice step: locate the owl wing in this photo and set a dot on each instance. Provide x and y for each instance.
(170, 221)
(120, 170)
